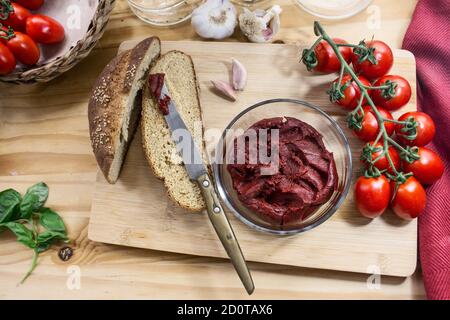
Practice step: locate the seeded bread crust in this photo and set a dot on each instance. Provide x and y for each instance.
(115, 104)
(137, 54)
(159, 149)
(103, 117)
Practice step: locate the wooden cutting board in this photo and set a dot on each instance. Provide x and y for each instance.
(136, 211)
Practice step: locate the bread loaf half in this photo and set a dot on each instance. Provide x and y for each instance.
(115, 105)
(159, 147)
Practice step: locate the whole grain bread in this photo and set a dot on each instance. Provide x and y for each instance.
(115, 105)
(159, 148)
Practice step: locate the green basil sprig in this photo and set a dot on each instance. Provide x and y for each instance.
(34, 225)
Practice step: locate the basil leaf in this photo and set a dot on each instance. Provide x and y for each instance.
(41, 247)
(48, 236)
(40, 189)
(50, 220)
(8, 201)
(23, 234)
(10, 214)
(29, 202)
(45, 239)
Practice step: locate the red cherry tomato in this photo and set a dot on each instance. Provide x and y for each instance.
(31, 4)
(425, 129)
(383, 162)
(401, 96)
(18, 18)
(410, 199)
(24, 49)
(384, 60)
(428, 169)
(352, 92)
(370, 129)
(327, 61)
(7, 60)
(44, 29)
(372, 195)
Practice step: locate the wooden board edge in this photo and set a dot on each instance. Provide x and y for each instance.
(403, 274)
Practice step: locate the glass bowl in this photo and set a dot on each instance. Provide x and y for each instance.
(333, 138)
(163, 12)
(333, 9)
(249, 3)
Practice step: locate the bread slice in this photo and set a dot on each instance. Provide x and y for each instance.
(159, 148)
(115, 105)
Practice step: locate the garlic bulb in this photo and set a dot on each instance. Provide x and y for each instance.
(260, 25)
(215, 19)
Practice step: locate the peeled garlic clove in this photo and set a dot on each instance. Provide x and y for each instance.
(225, 89)
(258, 26)
(239, 75)
(274, 24)
(215, 19)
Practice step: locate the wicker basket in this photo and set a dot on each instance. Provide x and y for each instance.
(75, 54)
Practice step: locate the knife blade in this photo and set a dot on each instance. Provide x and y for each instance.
(197, 171)
(186, 148)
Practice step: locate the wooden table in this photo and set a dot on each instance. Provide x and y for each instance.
(44, 136)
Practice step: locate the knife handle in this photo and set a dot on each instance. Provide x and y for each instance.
(223, 229)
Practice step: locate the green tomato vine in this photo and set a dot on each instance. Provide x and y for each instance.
(6, 9)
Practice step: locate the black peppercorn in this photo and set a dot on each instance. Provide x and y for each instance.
(65, 253)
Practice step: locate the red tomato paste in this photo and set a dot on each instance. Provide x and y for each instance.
(305, 178)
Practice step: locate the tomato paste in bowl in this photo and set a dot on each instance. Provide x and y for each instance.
(283, 166)
(305, 178)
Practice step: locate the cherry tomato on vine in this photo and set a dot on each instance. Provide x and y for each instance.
(410, 199)
(395, 99)
(428, 169)
(18, 18)
(30, 4)
(425, 129)
(351, 91)
(7, 60)
(24, 48)
(327, 61)
(44, 29)
(372, 195)
(370, 128)
(383, 162)
(383, 58)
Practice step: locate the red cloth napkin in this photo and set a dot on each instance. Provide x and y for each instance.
(428, 38)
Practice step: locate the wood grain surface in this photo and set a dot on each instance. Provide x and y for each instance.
(136, 211)
(44, 136)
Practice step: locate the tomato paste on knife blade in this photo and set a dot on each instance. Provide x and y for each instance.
(305, 178)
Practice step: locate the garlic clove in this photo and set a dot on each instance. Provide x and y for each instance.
(260, 26)
(239, 75)
(276, 10)
(214, 19)
(259, 13)
(274, 24)
(225, 89)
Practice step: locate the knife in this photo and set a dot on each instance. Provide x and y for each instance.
(197, 172)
